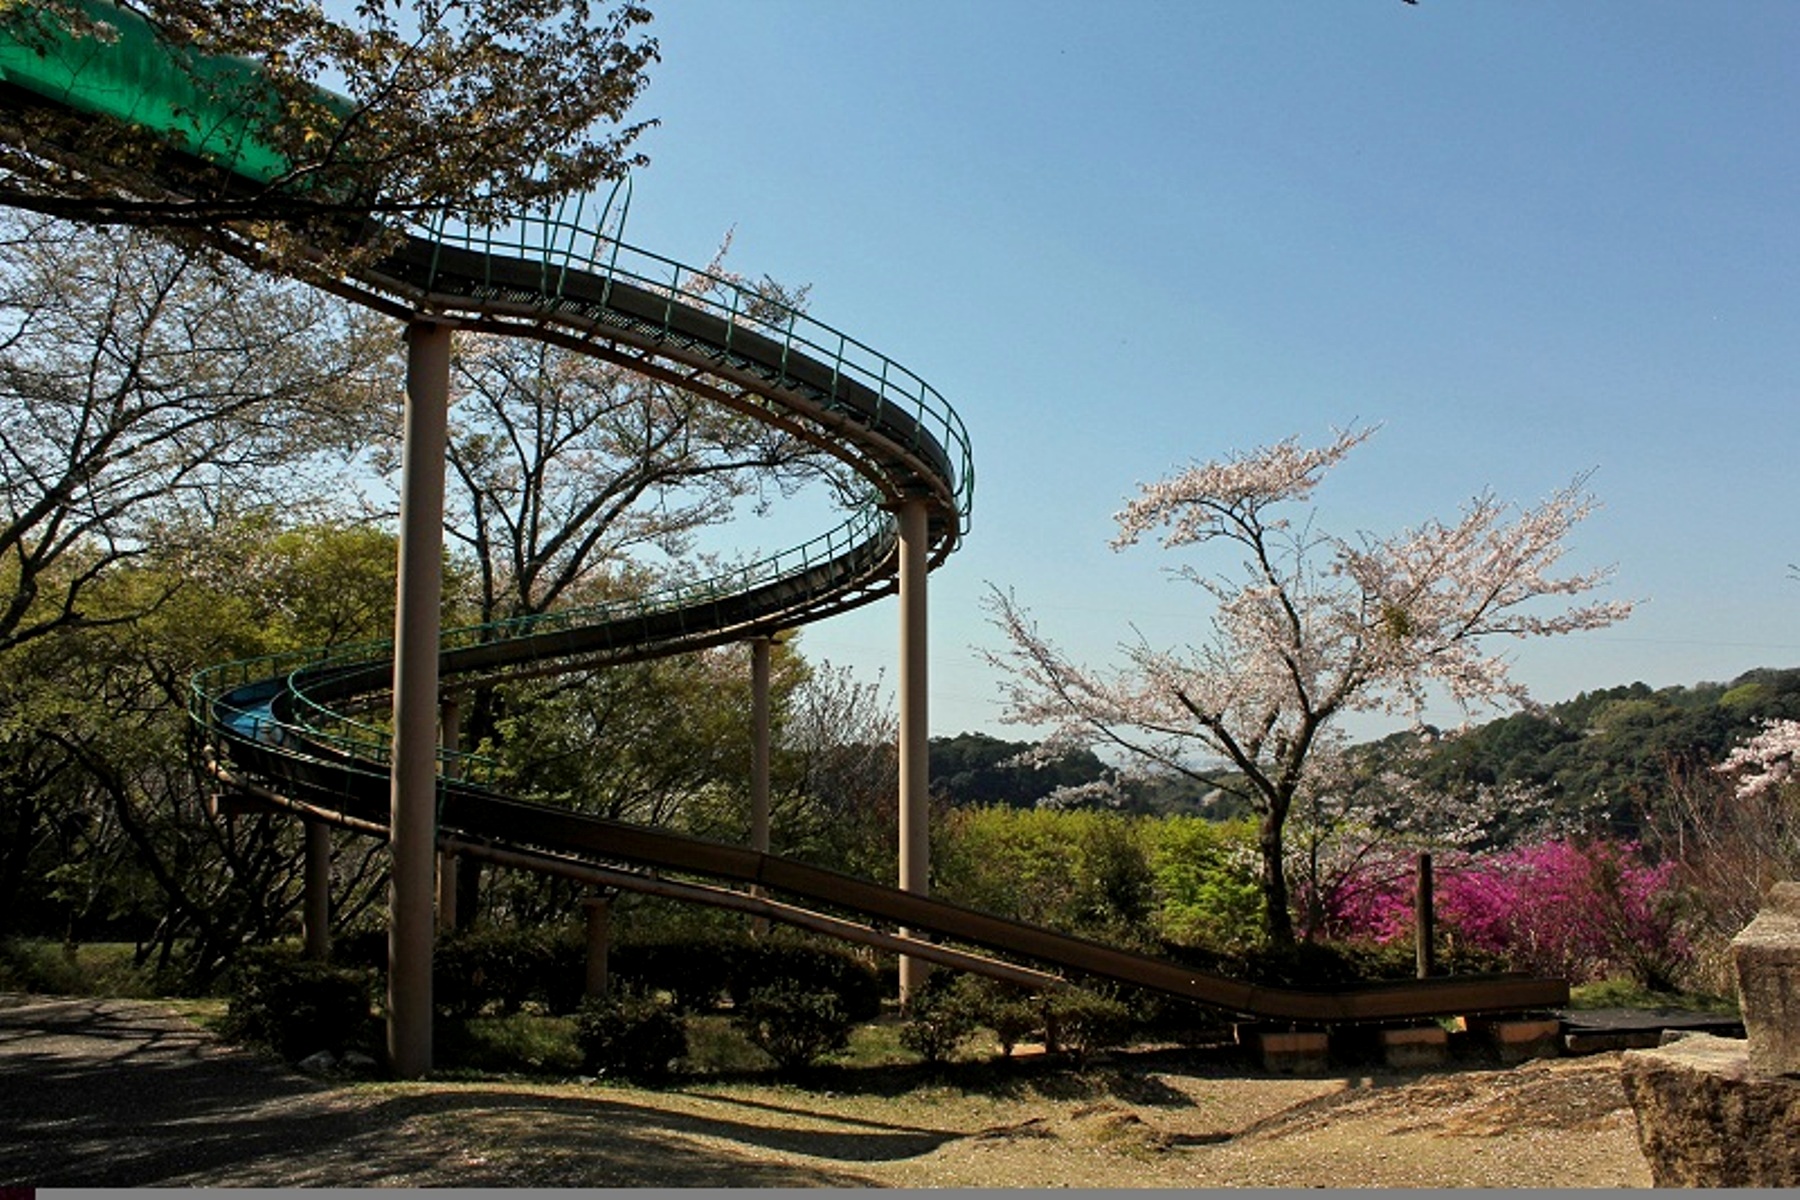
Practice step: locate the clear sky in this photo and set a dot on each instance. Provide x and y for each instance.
(1530, 240)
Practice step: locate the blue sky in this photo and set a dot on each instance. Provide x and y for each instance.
(1529, 240)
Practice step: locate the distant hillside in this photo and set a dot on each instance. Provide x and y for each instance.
(1607, 754)
(1603, 757)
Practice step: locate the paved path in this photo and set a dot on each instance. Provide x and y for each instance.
(123, 1093)
(109, 1093)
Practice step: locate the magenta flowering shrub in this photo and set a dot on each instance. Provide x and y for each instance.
(1581, 910)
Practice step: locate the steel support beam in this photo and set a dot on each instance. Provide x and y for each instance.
(414, 788)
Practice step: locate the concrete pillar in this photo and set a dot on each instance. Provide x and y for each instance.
(599, 942)
(760, 655)
(450, 734)
(418, 600)
(915, 732)
(317, 912)
(447, 866)
(449, 740)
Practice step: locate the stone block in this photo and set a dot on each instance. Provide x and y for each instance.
(1287, 1052)
(1415, 1046)
(1515, 1040)
(1705, 1118)
(1767, 957)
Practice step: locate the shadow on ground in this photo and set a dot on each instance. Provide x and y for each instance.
(101, 1093)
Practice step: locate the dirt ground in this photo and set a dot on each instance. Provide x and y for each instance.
(127, 1094)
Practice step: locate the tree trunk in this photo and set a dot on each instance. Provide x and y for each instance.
(1278, 922)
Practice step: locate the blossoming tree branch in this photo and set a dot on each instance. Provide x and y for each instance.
(1309, 628)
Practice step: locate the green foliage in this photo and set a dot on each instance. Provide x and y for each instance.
(1081, 872)
(1085, 1022)
(629, 1032)
(60, 969)
(295, 1006)
(940, 1017)
(693, 971)
(527, 1043)
(1606, 756)
(1206, 882)
(975, 770)
(505, 967)
(793, 1024)
(810, 966)
(1625, 992)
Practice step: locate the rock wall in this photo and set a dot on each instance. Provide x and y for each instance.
(1718, 1112)
(1705, 1119)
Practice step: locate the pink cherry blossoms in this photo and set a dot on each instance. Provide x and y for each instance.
(1766, 761)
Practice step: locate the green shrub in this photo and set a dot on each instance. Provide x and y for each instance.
(57, 969)
(631, 1033)
(1085, 1022)
(692, 970)
(1009, 1011)
(296, 1006)
(757, 966)
(793, 1024)
(505, 968)
(940, 1017)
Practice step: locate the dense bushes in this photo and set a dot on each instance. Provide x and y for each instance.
(507, 968)
(794, 1024)
(296, 1006)
(629, 1032)
(1581, 910)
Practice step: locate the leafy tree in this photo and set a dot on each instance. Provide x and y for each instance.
(835, 768)
(140, 380)
(475, 107)
(1082, 872)
(1314, 628)
(122, 831)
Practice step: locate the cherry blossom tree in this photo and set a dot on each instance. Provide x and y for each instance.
(1313, 628)
(1765, 762)
(478, 107)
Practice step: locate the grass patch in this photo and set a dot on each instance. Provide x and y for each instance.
(1626, 993)
(51, 968)
(520, 1044)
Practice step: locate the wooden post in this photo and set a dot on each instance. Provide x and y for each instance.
(1424, 918)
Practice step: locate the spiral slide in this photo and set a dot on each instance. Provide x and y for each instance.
(308, 731)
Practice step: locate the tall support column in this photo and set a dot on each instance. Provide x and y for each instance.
(450, 740)
(760, 655)
(413, 819)
(915, 745)
(759, 745)
(599, 942)
(317, 914)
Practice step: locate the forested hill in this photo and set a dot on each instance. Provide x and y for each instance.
(1605, 755)
(1617, 749)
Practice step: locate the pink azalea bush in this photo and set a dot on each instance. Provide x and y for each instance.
(1577, 909)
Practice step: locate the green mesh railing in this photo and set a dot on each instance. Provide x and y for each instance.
(563, 242)
(371, 741)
